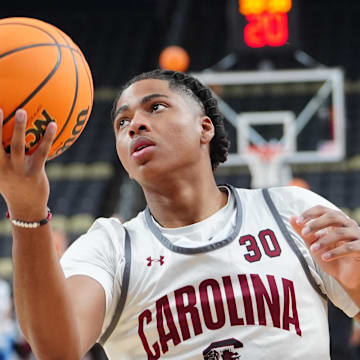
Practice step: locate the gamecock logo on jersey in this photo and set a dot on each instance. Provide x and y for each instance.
(223, 350)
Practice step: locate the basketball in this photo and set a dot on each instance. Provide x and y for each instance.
(174, 58)
(45, 73)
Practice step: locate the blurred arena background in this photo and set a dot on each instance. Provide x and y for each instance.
(220, 37)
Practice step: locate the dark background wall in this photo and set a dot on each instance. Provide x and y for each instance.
(125, 39)
(88, 181)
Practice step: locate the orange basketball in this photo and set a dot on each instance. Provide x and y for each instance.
(44, 72)
(174, 58)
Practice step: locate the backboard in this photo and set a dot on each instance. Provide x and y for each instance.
(301, 109)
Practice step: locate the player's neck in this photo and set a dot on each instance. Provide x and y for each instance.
(184, 203)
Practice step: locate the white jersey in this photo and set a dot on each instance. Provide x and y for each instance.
(238, 285)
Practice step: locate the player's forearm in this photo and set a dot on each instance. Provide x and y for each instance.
(42, 302)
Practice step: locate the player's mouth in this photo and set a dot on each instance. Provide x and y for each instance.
(141, 146)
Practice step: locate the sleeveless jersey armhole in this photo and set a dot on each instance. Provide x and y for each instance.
(291, 241)
(124, 289)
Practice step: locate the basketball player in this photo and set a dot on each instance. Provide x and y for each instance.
(204, 272)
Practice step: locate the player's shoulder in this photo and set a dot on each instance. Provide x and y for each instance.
(298, 198)
(115, 228)
(105, 235)
(112, 226)
(103, 243)
(293, 192)
(290, 197)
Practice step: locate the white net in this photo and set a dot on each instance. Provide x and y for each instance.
(267, 166)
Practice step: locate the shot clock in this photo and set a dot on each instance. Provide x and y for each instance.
(263, 25)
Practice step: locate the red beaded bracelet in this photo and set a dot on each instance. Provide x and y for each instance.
(30, 224)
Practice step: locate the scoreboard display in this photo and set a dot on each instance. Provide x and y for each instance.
(267, 22)
(263, 24)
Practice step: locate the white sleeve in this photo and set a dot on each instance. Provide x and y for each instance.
(290, 201)
(99, 254)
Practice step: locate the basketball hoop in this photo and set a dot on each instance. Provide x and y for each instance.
(267, 165)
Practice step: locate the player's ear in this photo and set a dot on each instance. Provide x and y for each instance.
(207, 130)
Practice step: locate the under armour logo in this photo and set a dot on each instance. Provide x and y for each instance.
(151, 260)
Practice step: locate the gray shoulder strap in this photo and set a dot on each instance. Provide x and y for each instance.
(124, 290)
(291, 241)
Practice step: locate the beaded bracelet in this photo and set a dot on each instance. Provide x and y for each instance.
(30, 224)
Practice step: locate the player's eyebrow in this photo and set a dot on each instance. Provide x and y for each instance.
(143, 101)
(147, 98)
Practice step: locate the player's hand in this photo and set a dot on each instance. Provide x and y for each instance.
(334, 241)
(23, 181)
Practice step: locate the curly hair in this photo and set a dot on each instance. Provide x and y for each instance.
(192, 87)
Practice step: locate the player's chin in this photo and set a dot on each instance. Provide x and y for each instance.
(151, 171)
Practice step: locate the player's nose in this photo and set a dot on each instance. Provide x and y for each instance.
(139, 124)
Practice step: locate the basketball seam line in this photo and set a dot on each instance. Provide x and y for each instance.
(36, 90)
(49, 76)
(76, 92)
(37, 45)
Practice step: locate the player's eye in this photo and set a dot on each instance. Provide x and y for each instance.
(157, 107)
(121, 123)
